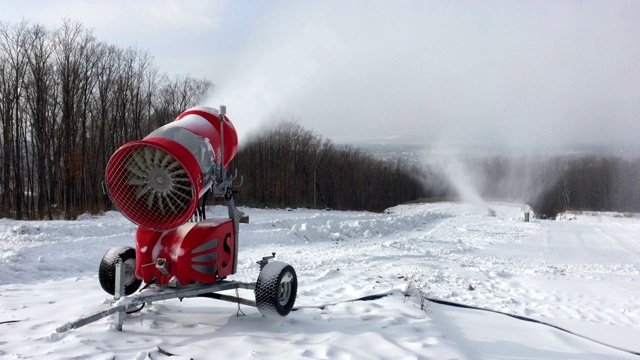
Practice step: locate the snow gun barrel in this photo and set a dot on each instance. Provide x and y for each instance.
(156, 182)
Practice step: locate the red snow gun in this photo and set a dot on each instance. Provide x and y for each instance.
(157, 182)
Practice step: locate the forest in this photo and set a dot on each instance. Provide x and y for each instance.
(289, 166)
(69, 100)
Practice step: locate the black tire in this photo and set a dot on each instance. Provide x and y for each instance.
(107, 271)
(276, 289)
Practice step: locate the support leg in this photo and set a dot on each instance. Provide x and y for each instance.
(119, 316)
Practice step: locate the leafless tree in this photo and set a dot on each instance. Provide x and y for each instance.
(67, 101)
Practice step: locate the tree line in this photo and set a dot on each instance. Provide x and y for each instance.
(67, 102)
(287, 165)
(597, 183)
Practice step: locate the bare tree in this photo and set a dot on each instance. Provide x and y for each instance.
(287, 165)
(13, 43)
(67, 102)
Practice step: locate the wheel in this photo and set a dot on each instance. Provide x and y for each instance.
(276, 289)
(107, 271)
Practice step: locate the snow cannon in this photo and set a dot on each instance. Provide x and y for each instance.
(157, 182)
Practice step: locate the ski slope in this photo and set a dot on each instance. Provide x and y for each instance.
(579, 273)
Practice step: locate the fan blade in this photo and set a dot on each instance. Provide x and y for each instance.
(181, 204)
(160, 205)
(173, 165)
(178, 172)
(185, 196)
(150, 199)
(137, 158)
(166, 160)
(141, 191)
(138, 181)
(136, 170)
(148, 156)
(166, 197)
(156, 158)
(182, 187)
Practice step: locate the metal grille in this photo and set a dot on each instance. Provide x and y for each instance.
(150, 186)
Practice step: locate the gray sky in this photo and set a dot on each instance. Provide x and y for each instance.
(496, 72)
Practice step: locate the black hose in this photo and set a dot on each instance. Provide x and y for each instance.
(136, 310)
(464, 306)
(364, 298)
(524, 318)
(143, 304)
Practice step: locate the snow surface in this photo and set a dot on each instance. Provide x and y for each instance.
(580, 273)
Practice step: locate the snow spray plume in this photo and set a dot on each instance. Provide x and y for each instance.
(277, 64)
(446, 165)
(478, 177)
(464, 70)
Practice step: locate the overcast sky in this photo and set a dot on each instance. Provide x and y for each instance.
(497, 72)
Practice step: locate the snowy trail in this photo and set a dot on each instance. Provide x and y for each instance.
(582, 274)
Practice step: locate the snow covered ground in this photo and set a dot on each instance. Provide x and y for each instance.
(580, 273)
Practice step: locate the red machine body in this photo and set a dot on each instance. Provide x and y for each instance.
(194, 252)
(157, 182)
(190, 120)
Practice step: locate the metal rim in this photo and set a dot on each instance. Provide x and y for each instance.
(284, 294)
(129, 271)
